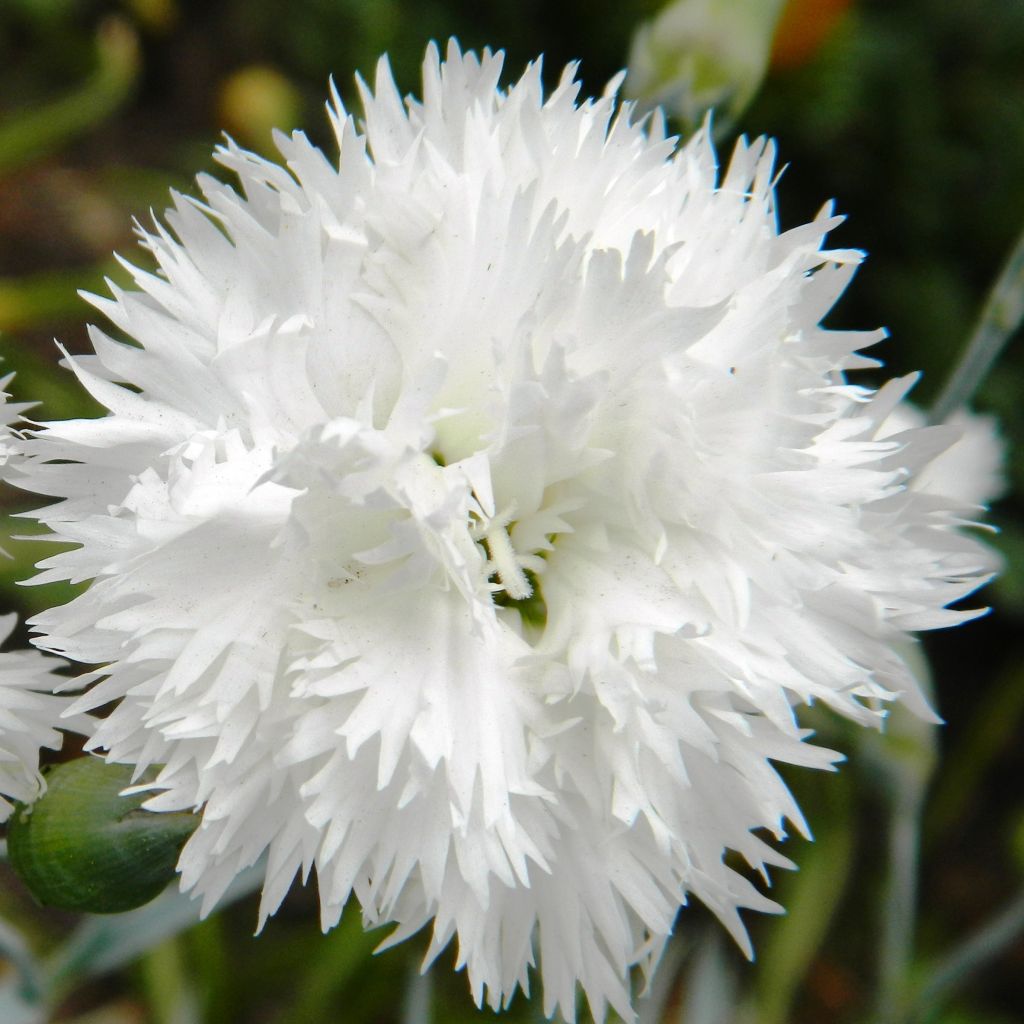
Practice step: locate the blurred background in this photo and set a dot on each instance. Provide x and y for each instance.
(911, 114)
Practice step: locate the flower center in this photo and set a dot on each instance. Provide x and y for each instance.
(514, 575)
(503, 561)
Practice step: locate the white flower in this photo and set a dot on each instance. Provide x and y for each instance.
(480, 509)
(695, 55)
(970, 470)
(29, 718)
(29, 713)
(10, 413)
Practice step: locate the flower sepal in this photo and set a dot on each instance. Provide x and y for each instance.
(86, 846)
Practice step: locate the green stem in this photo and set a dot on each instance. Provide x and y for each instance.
(419, 996)
(960, 965)
(169, 994)
(897, 945)
(1000, 318)
(711, 990)
(652, 1007)
(35, 133)
(15, 951)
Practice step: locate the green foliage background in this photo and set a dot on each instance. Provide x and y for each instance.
(910, 113)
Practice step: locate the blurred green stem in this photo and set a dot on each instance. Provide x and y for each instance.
(34, 133)
(652, 1005)
(15, 951)
(907, 756)
(215, 980)
(419, 996)
(710, 995)
(1000, 318)
(958, 967)
(169, 994)
(897, 945)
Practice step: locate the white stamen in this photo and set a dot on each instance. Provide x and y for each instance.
(506, 564)
(504, 560)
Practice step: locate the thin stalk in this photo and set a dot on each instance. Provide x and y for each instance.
(711, 990)
(419, 997)
(36, 133)
(14, 949)
(962, 963)
(897, 945)
(1000, 319)
(651, 1007)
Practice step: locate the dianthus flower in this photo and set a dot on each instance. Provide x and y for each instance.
(478, 510)
(971, 470)
(10, 413)
(30, 717)
(29, 712)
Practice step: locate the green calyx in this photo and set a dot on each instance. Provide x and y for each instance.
(84, 847)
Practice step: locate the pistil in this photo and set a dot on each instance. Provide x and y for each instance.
(504, 561)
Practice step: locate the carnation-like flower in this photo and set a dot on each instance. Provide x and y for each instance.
(971, 470)
(10, 413)
(30, 716)
(29, 712)
(472, 514)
